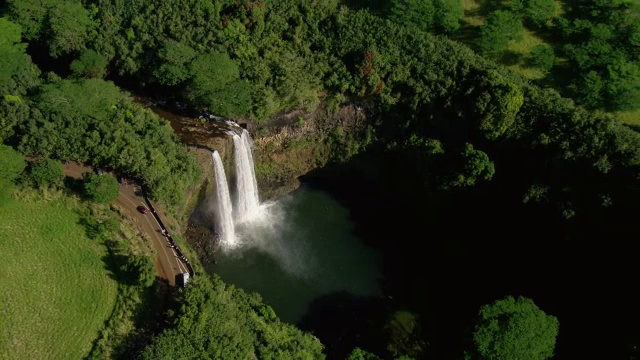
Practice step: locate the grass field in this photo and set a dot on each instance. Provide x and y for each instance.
(516, 55)
(629, 117)
(56, 292)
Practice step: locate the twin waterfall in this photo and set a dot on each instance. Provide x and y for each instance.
(224, 220)
(247, 203)
(247, 206)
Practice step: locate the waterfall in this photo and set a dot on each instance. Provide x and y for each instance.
(224, 224)
(248, 202)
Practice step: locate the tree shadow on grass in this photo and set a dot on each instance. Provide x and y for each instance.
(73, 185)
(509, 57)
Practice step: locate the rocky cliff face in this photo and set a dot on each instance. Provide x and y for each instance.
(285, 148)
(293, 144)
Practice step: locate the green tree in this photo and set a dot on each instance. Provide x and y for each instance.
(211, 74)
(46, 172)
(540, 11)
(474, 165)
(100, 188)
(496, 103)
(359, 354)
(515, 329)
(10, 43)
(94, 98)
(140, 270)
(623, 85)
(413, 13)
(176, 58)
(448, 14)
(69, 28)
(17, 72)
(501, 28)
(405, 337)
(542, 57)
(12, 164)
(30, 14)
(590, 90)
(65, 26)
(89, 65)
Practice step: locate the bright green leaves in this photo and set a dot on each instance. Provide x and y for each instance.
(89, 65)
(475, 166)
(46, 172)
(12, 165)
(427, 15)
(215, 84)
(413, 13)
(540, 12)
(176, 58)
(93, 97)
(542, 57)
(515, 329)
(496, 103)
(501, 28)
(100, 188)
(66, 26)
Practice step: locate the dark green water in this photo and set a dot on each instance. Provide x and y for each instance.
(302, 249)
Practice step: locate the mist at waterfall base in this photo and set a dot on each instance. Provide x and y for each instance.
(297, 251)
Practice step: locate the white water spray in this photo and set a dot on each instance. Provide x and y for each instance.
(248, 204)
(224, 218)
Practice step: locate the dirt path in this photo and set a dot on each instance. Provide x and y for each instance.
(168, 265)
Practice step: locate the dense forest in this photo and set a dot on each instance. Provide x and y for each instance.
(445, 114)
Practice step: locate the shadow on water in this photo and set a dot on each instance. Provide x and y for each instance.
(447, 254)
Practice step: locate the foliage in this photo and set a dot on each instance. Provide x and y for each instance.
(496, 103)
(100, 188)
(447, 15)
(140, 269)
(90, 98)
(214, 84)
(89, 65)
(220, 321)
(405, 336)
(176, 58)
(359, 354)
(540, 12)
(46, 172)
(64, 26)
(542, 57)
(599, 39)
(417, 13)
(515, 329)
(17, 72)
(501, 28)
(476, 166)
(12, 163)
(57, 292)
(91, 121)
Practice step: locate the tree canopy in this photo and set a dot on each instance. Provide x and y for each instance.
(515, 328)
(100, 188)
(501, 28)
(46, 172)
(220, 321)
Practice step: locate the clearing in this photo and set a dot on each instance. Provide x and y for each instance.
(56, 291)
